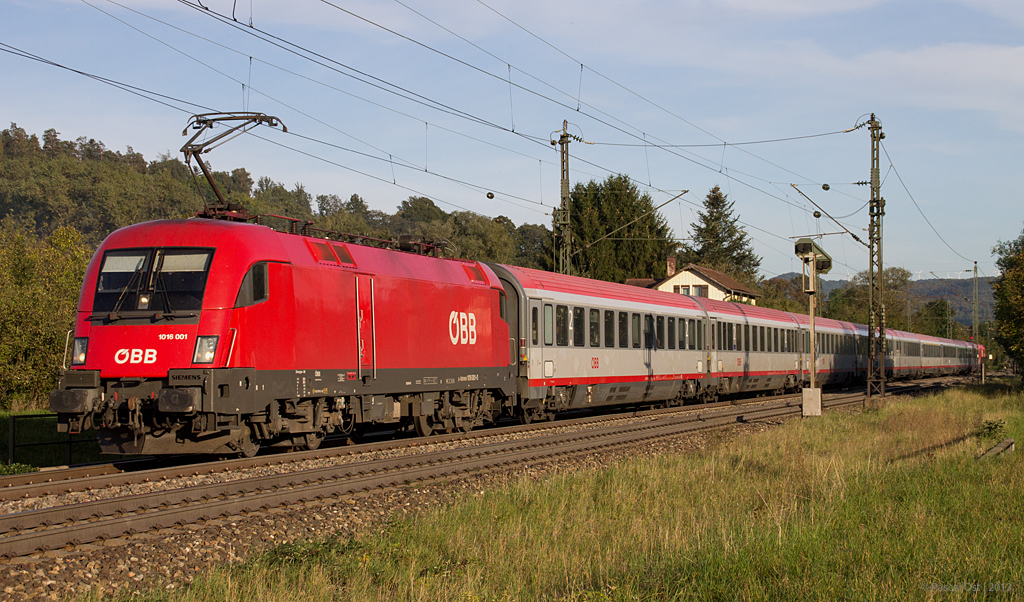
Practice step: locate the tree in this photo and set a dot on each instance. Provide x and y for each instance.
(720, 243)
(1008, 290)
(637, 251)
(39, 284)
(934, 318)
(850, 301)
(785, 295)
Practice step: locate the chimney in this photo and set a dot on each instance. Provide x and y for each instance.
(671, 271)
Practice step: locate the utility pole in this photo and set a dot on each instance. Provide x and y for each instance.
(974, 315)
(563, 225)
(876, 303)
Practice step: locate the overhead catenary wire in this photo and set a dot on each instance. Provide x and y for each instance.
(927, 221)
(318, 82)
(504, 81)
(727, 175)
(401, 163)
(213, 13)
(141, 92)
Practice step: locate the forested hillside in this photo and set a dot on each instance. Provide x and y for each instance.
(60, 198)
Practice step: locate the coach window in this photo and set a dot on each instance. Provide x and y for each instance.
(660, 332)
(730, 338)
(579, 329)
(549, 325)
(672, 333)
(746, 337)
(648, 331)
(561, 325)
(595, 328)
(534, 326)
(700, 334)
(690, 332)
(636, 330)
(255, 286)
(623, 329)
(609, 328)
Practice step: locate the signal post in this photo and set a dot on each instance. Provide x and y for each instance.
(815, 261)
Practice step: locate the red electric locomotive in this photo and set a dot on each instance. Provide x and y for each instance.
(215, 336)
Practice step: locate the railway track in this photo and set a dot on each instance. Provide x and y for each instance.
(84, 478)
(32, 531)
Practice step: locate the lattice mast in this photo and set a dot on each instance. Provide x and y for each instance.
(876, 288)
(563, 224)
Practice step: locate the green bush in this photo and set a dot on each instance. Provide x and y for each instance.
(39, 283)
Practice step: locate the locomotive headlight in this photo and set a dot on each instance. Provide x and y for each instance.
(144, 301)
(206, 349)
(79, 350)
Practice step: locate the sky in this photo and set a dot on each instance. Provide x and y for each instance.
(454, 99)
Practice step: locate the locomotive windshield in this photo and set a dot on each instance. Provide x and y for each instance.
(163, 281)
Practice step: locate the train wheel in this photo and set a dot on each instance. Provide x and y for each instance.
(309, 441)
(250, 446)
(424, 425)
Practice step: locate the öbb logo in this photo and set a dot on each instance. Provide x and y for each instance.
(462, 328)
(135, 356)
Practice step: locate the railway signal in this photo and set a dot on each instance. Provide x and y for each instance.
(815, 261)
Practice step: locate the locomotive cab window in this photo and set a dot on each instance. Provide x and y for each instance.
(164, 280)
(255, 286)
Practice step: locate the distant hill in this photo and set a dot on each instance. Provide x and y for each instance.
(957, 292)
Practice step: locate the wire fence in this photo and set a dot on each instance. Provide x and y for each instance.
(33, 439)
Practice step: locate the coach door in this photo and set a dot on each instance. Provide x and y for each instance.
(366, 326)
(714, 344)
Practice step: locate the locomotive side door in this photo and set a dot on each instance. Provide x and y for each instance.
(365, 326)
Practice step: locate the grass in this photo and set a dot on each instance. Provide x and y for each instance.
(875, 506)
(35, 426)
